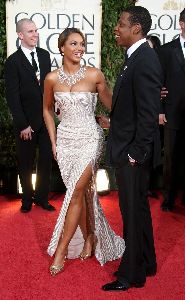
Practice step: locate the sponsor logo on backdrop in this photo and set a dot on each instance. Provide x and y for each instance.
(174, 5)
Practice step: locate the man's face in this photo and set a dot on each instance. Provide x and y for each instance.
(28, 35)
(182, 26)
(124, 31)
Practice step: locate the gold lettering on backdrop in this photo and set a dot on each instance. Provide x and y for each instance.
(53, 16)
(174, 5)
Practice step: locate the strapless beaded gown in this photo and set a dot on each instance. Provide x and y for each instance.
(79, 143)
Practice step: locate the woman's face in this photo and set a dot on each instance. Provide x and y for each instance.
(74, 47)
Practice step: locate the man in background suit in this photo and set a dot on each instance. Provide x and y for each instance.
(25, 71)
(133, 141)
(172, 57)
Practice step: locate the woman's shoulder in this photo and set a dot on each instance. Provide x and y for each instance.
(93, 71)
(53, 75)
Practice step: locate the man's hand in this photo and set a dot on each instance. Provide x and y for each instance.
(164, 93)
(132, 161)
(103, 121)
(162, 119)
(26, 134)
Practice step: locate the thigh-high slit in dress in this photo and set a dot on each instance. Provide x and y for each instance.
(79, 144)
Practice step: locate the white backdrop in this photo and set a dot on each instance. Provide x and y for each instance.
(51, 18)
(165, 17)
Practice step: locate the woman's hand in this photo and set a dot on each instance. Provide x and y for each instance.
(103, 121)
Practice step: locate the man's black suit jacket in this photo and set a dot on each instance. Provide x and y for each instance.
(24, 94)
(173, 64)
(135, 109)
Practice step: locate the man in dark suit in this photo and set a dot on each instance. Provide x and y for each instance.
(172, 57)
(133, 143)
(25, 71)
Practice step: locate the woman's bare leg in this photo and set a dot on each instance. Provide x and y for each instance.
(83, 220)
(73, 216)
(87, 224)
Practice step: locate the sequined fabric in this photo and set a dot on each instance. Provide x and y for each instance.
(71, 79)
(79, 143)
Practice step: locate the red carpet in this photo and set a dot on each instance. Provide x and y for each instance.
(24, 263)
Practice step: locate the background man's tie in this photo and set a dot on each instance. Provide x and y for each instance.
(34, 64)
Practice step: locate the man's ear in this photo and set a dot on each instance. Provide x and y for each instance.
(182, 25)
(20, 35)
(137, 29)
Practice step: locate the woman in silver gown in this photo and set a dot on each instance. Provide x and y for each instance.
(81, 228)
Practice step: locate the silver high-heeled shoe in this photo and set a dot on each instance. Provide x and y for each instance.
(84, 256)
(56, 269)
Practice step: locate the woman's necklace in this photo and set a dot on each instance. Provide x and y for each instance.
(71, 79)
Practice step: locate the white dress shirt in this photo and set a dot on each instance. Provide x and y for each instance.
(182, 41)
(27, 52)
(135, 46)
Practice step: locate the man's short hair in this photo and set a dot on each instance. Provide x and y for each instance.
(20, 23)
(140, 15)
(182, 16)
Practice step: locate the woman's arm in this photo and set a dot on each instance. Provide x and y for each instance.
(104, 92)
(48, 110)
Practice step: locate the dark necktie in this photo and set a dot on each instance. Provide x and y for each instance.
(126, 57)
(34, 64)
(184, 44)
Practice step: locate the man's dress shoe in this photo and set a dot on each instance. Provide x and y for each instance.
(166, 206)
(25, 208)
(152, 194)
(46, 206)
(117, 286)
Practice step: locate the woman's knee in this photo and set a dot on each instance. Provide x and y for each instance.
(77, 197)
(81, 186)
